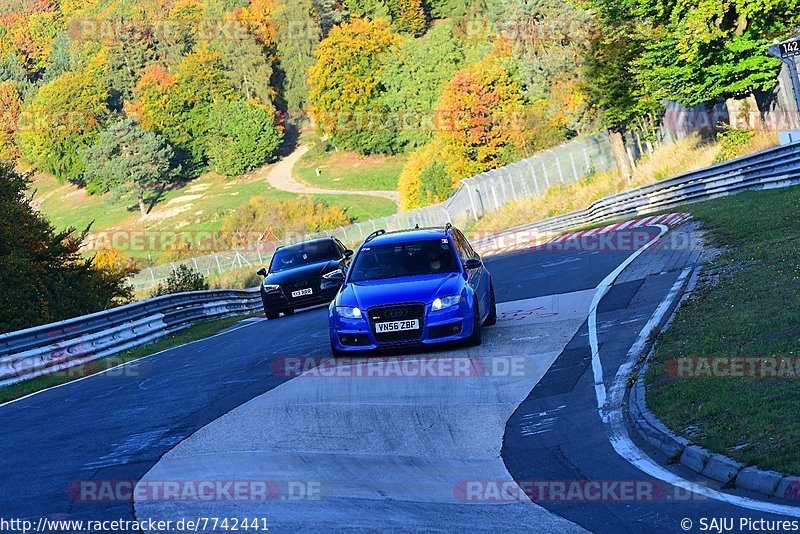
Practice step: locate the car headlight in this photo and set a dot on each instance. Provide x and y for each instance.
(271, 287)
(445, 302)
(348, 312)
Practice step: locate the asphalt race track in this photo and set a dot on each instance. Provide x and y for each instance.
(347, 451)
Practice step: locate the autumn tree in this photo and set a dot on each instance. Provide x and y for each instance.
(63, 118)
(409, 16)
(28, 33)
(10, 108)
(345, 89)
(127, 158)
(258, 15)
(479, 115)
(425, 178)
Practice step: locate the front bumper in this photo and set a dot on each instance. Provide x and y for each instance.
(281, 300)
(451, 325)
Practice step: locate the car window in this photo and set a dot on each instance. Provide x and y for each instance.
(467, 246)
(461, 246)
(404, 259)
(296, 256)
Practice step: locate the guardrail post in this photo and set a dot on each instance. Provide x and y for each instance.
(574, 168)
(471, 200)
(558, 166)
(544, 171)
(447, 215)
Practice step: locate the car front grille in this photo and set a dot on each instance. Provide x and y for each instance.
(313, 283)
(397, 312)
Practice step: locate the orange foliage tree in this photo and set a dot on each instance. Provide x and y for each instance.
(259, 17)
(479, 115)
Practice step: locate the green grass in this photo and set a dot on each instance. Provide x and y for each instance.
(199, 206)
(193, 333)
(349, 171)
(748, 306)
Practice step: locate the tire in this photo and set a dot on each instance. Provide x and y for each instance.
(268, 313)
(491, 319)
(477, 334)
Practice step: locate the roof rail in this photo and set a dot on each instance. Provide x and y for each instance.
(374, 234)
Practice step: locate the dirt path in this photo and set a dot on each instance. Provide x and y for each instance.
(280, 176)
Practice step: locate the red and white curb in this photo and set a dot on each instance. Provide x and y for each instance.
(528, 239)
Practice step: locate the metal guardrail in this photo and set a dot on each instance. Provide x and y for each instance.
(769, 169)
(55, 347)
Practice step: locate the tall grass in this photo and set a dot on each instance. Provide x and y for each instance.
(667, 161)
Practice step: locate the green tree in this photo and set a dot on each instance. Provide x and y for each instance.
(330, 13)
(62, 119)
(299, 34)
(242, 137)
(127, 58)
(60, 58)
(127, 158)
(11, 70)
(249, 70)
(181, 280)
(443, 9)
(406, 16)
(698, 52)
(43, 269)
(415, 78)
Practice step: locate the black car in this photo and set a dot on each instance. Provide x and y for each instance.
(303, 275)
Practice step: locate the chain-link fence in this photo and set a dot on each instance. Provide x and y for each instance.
(475, 197)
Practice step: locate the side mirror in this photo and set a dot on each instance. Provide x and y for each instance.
(335, 276)
(473, 263)
(262, 272)
(348, 254)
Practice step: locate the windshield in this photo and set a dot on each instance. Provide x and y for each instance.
(287, 258)
(404, 259)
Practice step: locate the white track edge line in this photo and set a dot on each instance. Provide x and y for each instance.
(619, 438)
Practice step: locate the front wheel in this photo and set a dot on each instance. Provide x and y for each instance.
(491, 319)
(477, 335)
(268, 313)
